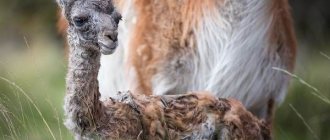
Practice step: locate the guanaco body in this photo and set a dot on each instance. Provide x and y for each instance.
(227, 47)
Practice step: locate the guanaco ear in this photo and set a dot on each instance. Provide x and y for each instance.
(65, 5)
(60, 3)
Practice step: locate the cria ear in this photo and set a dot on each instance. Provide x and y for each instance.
(60, 3)
(65, 5)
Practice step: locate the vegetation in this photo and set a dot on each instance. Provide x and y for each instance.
(306, 111)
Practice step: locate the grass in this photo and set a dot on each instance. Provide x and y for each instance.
(32, 102)
(315, 91)
(32, 92)
(304, 121)
(305, 114)
(32, 88)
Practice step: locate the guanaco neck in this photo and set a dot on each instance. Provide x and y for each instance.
(86, 114)
(82, 100)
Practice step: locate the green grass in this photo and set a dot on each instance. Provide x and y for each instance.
(305, 114)
(32, 88)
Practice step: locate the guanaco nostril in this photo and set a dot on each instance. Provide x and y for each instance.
(117, 17)
(112, 36)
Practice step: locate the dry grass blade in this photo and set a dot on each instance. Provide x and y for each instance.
(57, 117)
(315, 92)
(304, 121)
(6, 114)
(32, 102)
(325, 55)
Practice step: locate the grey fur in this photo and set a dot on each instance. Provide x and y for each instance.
(86, 115)
(100, 28)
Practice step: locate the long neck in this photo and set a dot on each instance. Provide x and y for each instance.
(82, 104)
(86, 114)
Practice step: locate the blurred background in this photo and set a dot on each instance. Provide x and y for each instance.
(33, 67)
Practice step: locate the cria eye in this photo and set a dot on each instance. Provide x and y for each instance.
(80, 21)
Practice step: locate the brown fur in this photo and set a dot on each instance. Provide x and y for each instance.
(163, 31)
(62, 26)
(282, 32)
(153, 41)
(177, 116)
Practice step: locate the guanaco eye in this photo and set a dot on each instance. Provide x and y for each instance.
(80, 21)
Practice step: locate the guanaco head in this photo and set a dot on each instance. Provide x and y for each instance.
(92, 23)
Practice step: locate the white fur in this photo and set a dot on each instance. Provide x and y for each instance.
(232, 58)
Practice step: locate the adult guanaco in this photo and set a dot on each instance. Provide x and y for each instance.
(226, 47)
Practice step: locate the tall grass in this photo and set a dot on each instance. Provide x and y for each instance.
(32, 102)
(32, 91)
(306, 111)
(314, 92)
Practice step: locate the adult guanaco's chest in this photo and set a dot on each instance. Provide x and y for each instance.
(228, 47)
